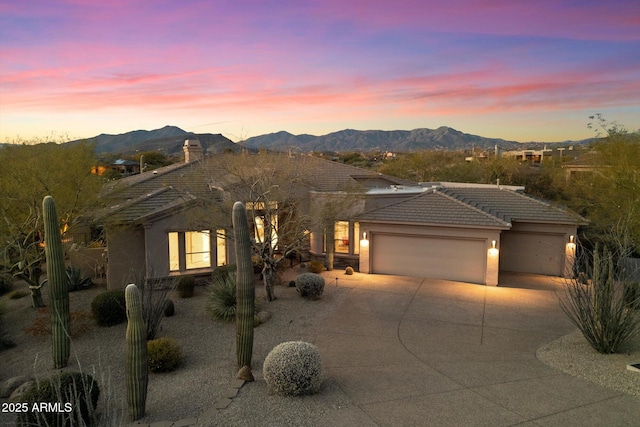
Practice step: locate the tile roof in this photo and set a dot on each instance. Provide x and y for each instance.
(472, 207)
(512, 206)
(138, 196)
(434, 207)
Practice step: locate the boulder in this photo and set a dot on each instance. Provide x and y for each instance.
(11, 384)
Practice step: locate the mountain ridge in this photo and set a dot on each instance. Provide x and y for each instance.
(169, 139)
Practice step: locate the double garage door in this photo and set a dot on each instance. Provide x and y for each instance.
(448, 258)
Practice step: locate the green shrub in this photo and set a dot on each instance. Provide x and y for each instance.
(109, 308)
(163, 355)
(310, 285)
(222, 298)
(315, 267)
(221, 272)
(169, 308)
(77, 393)
(18, 294)
(75, 280)
(293, 368)
(6, 283)
(186, 286)
(348, 271)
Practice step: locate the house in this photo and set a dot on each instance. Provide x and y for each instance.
(469, 233)
(164, 223)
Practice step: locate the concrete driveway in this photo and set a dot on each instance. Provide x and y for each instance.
(414, 351)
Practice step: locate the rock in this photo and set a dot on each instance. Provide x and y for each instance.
(17, 394)
(245, 374)
(264, 316)
(11, 384)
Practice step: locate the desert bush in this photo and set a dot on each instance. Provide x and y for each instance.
(222, 298)
(77, 393)
(163, 355)
(18, 294)
(293, 368)
(348, 271)
(169, 308)
(154, 295)
(75, 280)
(598, 309)
(6, 283)
(186, 286)
(80, 323)
(109, 308)
(315, 267)
(632, 295)
(310, 285)
(222, 271)
(5, 342)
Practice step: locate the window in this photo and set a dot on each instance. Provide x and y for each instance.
(341, 235)
(192, 250)
(197, 249)
(174, 252)
(346, 237)
(259, 220)
(221, 247)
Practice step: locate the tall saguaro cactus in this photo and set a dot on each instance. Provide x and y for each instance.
(245, 286)
(58, 287)
(136, 365)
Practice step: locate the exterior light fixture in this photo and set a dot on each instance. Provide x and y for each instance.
(493, 251)
(364, 242)
(572, 242)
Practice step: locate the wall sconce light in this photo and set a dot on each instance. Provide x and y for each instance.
(364, 242)
(493, 251)
(572, 243)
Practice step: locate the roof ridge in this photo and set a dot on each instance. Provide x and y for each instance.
(133, 180)
(469, 205)
(110, 210)
(550, 205)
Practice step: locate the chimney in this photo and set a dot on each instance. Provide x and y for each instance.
(192, 150)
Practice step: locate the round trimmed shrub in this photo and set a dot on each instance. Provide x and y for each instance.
(73, 390)
(109, 308)
(315, 267)
(293, 368)
(310, 285)
(348, 271)
(169, 308)
(186, 286)
(163, 355)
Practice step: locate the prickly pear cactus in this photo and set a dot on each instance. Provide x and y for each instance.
(136, 364)
(58, 289)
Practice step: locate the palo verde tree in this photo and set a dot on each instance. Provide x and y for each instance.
(31, 172)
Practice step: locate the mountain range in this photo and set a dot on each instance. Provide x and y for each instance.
(169, 139)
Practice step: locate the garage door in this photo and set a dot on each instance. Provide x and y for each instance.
(440, 258)
(532, 253)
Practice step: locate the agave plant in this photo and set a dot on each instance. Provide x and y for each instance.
(76, 281)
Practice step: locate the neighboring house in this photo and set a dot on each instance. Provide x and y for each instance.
(160, 224)
(582, 166)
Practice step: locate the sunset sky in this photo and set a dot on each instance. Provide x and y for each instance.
(515, 69)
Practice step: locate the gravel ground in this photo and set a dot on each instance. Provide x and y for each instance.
(210, 366)
(210, 362)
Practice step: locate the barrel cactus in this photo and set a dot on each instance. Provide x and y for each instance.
(58, 289)
(137, 376)
(245, 286)
(310, 285)
(293, 368)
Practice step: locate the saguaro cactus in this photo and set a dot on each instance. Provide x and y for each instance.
(136, 369)
(58, 288)
(245, 286)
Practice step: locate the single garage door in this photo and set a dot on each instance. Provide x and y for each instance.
(462, 260)
(536, 253)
